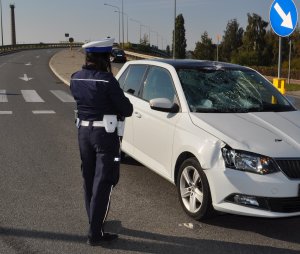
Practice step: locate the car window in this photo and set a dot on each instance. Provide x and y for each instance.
(158, 84)
(118, 52)
(134, 78)
(122, 78)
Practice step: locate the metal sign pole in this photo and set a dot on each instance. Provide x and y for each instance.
(1, 22)
(283, 20)
(290, 53)
(279, 57)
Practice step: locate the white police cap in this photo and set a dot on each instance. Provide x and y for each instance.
(102, 46)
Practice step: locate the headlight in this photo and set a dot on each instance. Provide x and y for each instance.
(250, 162)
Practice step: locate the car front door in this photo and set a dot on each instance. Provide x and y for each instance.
(131, 82)
(154, 130)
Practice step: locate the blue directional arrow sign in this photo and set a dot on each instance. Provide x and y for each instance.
(283, 17)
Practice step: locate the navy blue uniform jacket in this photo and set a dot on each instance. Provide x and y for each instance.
(98, 93)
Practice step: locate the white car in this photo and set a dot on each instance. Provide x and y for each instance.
(221, 132)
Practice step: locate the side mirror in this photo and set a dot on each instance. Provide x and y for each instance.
(164, 105)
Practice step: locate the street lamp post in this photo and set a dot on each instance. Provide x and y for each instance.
(122, 23)
(127, 24)
(127, 28)
(174, 37)
(119, 17)
(218, 41)
(119, 27)
(140, 27)
(1, 21)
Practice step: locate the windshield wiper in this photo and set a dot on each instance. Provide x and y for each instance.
(268, 107)
(228, 110)
(208, 110)
(253, 109)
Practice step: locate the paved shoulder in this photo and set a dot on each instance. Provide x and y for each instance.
(65, 63)
(294, 93)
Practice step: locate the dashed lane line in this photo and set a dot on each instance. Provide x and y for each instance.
(31, 96)
(3, 96)
(39, 112)
(6, 112)
(63, 96)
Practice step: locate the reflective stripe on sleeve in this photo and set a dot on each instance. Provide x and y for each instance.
(99, 80)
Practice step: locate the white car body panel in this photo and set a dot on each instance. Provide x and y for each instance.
(257, 132)
(150, 128)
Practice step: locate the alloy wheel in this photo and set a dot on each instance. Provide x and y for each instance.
(191, 189)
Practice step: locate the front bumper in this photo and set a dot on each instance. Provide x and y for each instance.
(277, 205)
(243, 193)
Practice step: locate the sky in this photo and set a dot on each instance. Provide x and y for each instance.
(86, 20)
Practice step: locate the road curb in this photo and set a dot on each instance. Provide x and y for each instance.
(51, 66)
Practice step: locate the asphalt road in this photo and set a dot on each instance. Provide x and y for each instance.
(41, 198)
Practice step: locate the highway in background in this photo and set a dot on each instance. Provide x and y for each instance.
(42, 209)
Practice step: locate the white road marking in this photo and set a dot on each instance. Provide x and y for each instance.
(3, 96)
(63, 96)
(25, 78)
(187, 225)
(31, 96)
(43, 111)
(5, 112)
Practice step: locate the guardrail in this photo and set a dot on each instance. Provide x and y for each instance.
(13, 48)
(137, 56)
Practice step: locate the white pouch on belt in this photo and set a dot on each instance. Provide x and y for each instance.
(110, 123)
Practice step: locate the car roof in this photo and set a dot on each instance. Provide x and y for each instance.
(193, 63)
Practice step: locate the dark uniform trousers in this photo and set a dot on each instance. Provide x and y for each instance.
(100, 154)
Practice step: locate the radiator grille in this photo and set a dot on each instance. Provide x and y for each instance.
(291, 167)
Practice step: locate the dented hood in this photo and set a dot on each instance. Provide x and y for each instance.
(275, 134)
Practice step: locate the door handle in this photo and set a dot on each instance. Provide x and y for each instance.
(137, 114)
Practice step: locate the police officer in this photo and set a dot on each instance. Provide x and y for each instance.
(100, 103)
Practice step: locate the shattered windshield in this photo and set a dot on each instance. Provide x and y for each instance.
(227, 90)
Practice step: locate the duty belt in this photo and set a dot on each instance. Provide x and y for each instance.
(92, 123)
(110, 123)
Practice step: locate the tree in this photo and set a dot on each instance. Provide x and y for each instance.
(180, 40)
(232, 40)
(254, 36)
(144, 44)
(168, 51)
(145, 40)
(254, 40)
(295, 52)
(205, 49)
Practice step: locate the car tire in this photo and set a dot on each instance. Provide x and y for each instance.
(193, 190)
